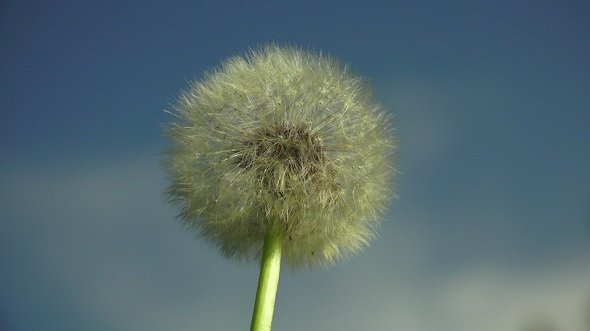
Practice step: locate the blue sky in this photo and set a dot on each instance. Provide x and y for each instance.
(491, 230)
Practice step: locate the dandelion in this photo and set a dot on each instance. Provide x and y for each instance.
(281, 152)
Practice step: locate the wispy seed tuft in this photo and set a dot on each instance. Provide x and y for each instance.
(281, 140)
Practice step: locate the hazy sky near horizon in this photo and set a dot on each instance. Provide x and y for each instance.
(491, 230)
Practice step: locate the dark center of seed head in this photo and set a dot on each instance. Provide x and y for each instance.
(294, 148)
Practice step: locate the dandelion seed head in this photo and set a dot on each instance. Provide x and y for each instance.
(281, 140)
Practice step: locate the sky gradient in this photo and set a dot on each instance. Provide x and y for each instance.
(491, 230)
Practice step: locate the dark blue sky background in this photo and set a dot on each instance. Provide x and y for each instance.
(491, 230)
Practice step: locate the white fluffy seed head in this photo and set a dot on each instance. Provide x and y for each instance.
(281, 140)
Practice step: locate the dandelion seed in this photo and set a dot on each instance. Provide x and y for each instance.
(287, 141)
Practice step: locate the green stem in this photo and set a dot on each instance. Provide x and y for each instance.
(268, 282)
